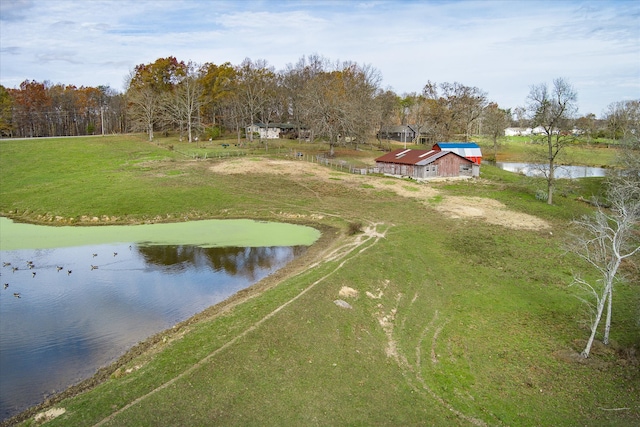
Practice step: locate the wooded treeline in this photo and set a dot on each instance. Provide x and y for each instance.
(330, 100)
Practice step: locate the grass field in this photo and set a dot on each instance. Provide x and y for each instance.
(457, 320)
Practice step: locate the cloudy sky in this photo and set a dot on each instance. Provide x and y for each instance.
(502, 47)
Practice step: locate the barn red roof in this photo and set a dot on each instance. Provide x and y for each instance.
(415, 157)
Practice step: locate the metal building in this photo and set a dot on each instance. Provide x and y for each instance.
(469, 150)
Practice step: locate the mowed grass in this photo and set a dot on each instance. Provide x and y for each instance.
(529, 149)
(456, 322)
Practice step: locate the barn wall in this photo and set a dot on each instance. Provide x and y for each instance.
(447, 166)
(450, 166)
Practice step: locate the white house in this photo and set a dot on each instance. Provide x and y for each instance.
(517, 131)
(264, 131)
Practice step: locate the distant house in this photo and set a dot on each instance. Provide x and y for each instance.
(517, 131)
(468, 150)
(426, 164)
(277, 130)
(265, 132)
(402, 133)
(540, 130)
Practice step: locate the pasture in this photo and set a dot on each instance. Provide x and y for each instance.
(461, 311)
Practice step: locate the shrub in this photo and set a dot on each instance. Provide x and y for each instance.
(355, 228)
(213, 132)
(542, 195)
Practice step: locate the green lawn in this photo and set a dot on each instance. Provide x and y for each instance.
(456, 322)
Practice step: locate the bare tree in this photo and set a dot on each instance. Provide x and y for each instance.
(453, 108)
(586, 125)
(553, 111)
(254, 88)
(467, 103)
(604, 241)
(389, 110)
(421, 114)
(613, 235)
(187, 100)
(144, 106)
(494, 121)
(293, 81)
(339, 104)
(519, 117)
(620, 118)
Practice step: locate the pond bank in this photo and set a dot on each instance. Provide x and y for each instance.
(328, 235)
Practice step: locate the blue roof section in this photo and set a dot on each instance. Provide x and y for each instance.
(457, 145)
(464, 149)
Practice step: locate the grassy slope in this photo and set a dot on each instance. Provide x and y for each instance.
(478, 316)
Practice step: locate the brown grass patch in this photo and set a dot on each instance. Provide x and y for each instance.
(488, 210)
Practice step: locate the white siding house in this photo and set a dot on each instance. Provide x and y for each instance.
(518, 131)
(264, 131)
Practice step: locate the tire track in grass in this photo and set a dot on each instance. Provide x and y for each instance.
(413, 373)
(341, 253)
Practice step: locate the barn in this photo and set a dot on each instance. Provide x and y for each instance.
(426, 164)
(470, 150)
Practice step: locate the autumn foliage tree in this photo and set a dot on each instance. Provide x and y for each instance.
(31, 109)
(149, 90)
(216, 88)
(6, 112)
(340, 102)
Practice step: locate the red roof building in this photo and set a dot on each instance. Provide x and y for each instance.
(426, 164)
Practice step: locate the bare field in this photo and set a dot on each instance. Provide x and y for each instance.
(485, 209)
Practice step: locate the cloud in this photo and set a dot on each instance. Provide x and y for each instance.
(15, 10)
(10, 50)
(502, 47)
(61, 55)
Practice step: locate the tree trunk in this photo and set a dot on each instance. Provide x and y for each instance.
(607, 325)
(594, 325)
(611, 275)
(550, 182)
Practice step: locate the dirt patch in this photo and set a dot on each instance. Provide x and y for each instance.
(488, 210)
(492, 211)
(299, 168)
(45, 416)
(347, 292)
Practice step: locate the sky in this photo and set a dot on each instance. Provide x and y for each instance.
(502, 47)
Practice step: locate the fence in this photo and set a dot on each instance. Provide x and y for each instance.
(321, 159)
(339, 165)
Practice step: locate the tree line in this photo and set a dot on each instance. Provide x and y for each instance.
(44, 109)
(336, 101)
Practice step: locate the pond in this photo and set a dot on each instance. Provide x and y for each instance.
(565, 171)
(71, 309)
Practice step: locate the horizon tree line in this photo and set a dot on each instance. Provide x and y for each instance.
(335, 101)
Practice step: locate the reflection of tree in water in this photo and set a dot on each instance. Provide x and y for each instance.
(232, 260)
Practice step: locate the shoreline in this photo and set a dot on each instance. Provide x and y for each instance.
(328, 235)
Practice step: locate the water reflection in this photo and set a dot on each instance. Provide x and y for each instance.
(66, 325)
(246, 262)
(563, 171)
